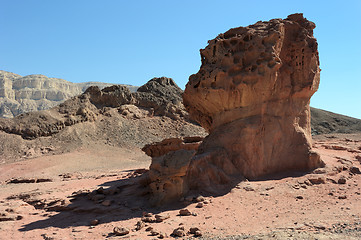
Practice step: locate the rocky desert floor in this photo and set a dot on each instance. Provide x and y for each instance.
(82, 195)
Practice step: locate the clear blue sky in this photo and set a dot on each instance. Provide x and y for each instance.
(131, 42)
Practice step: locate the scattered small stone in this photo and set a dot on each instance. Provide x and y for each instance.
(179, 232)
(341, 180)
(248, 188)
(198, 234)
(120, 231)
(184, 212)
(320, 171)
(307, 182)
(342, 197)
(160, 218)
(46, 237)
(162, 235)
(355, 170)
(200, 199)
(139, 225)
(9, 210)
(148, 219)
(149, 229)
(94, 222)
(206, 202)
(154, 233)
(335, 147)
(5, 217)
(318, 226)
(193, 230)
(200, 205)
(299, 197)
(331, 180)
(145, 214)
(106, 203)
(317, 180)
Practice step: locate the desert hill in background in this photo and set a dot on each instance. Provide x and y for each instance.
(20, 94)
(113, 116)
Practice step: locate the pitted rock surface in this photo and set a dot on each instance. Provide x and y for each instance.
(252, 94)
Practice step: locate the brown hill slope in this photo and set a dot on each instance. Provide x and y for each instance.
(323, 122)
(113, 116)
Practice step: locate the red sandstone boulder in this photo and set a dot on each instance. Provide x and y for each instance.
(252, 94)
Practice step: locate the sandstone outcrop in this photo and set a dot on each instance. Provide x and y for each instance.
(172, 144)
(170, 162)
(252, 95)
(37, 92)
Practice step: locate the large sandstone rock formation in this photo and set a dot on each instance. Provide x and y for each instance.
(36, 92)
(252, 95)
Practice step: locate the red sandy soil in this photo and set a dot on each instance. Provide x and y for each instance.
(315, 205)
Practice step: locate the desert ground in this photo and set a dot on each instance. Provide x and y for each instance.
(78, 195)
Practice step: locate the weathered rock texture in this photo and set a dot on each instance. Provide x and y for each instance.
(172, 144)
(252, 95)
(36, 92)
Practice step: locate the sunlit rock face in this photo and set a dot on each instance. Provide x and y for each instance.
(252, 95)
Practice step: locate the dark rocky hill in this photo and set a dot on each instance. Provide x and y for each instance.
(323, 122)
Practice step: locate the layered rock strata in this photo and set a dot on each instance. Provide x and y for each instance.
(35, 92)
(252, 95)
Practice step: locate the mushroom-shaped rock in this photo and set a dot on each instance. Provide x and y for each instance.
(252, 95)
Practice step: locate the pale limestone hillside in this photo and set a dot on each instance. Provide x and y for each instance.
(20, 94)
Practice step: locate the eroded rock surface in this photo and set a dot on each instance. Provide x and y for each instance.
(252, 95)
(172, 144)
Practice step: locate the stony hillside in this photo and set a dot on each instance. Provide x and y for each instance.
(324, 122)
(20, 94)
(112, 116)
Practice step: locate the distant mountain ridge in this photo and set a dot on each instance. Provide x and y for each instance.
(21, 94)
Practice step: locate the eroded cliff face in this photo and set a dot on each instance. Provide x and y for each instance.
(252, 95)
(36, 92)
